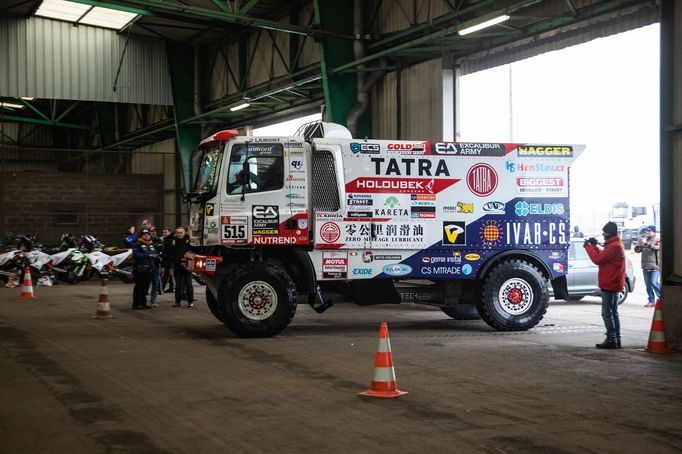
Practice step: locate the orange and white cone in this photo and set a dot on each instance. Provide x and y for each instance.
(103, 309)
(383, 383)
(27, 289)
(657, 342)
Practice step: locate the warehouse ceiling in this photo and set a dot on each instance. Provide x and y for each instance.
(210, 24)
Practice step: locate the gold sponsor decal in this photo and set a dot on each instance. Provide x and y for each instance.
(265, 231)
(553, 151)
(472, 257)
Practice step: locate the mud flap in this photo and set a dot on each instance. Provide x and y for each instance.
(317, 301)
(373, 291)
(560, 287)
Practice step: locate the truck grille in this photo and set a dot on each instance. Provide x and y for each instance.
(325, 185)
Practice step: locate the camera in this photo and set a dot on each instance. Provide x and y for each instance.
(593, 241)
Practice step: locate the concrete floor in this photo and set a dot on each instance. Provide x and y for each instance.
(175, 380)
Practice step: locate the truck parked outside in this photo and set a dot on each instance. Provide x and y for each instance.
(275, 220)
(631, 218)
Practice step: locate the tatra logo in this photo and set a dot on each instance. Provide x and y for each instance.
(410, 166)
(482, 179)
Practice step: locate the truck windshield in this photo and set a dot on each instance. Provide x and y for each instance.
(207, 159)
(619, 212)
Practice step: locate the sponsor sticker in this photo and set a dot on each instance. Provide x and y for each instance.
(335, 265)
(523, 208)
(472, 257)
(491, 233)
(365, 148)
(468, 149)
(330, 232)
(265, 220)
(466, 269)
(399, 185)
(482, 179)
(551, 151)
(210, 209)
(397, 269)
(513, 167)
(537, 185)
(210, 265)
(233, 230)
(494, 207)
(454, 233)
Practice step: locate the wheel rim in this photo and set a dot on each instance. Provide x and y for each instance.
(516, 296)
(257, 300)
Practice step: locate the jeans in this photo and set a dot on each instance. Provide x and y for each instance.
(609, 312)
(168, 277)
(157, 288)
(653, 288)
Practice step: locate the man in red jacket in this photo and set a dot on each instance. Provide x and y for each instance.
(611, 262)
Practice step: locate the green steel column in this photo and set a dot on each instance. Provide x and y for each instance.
(668, 89)
(340, 90)
(187, 136)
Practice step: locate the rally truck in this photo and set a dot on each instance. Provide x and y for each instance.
(276, 221)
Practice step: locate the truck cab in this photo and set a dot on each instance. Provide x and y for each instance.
(468, 227)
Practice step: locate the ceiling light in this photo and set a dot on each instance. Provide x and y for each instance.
(115, 16)
(11, 105)
(482, 25)
(239, 107)
(26, 98)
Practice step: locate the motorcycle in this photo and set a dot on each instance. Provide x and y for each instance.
(111, 265)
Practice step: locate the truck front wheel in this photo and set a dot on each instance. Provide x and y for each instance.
(515, 296)
(258, 300)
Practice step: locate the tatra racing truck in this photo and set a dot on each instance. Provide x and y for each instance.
(275, 221)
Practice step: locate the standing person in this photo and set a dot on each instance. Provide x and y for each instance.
(611, 262)
(183, 278)
(144, 255)
(167, 261)
(649, 245)
(129, 238)
(577, 233)
(156, 272)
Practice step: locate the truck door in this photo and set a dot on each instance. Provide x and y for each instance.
(255, 203)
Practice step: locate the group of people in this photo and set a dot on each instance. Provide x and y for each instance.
(157, 263)
(611, 278)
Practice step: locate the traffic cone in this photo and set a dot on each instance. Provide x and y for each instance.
(657, 336)
(27, 289)
(103, 309)
(383, 383)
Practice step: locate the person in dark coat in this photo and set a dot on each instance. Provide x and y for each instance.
(167, 261)
(183, 278)
(611, 279)
(649, 246)
(129, 238)
(144, 261)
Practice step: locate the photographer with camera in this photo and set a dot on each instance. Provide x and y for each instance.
(611, 262)
(649, 246)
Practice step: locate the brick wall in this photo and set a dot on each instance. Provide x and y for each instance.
(101, 205)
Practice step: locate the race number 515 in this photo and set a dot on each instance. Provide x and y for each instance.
(234, 231)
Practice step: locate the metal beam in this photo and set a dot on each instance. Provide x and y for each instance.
(187, 13)
(40, 121)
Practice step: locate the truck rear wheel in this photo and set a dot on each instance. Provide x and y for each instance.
(515, 296)
(258, 300)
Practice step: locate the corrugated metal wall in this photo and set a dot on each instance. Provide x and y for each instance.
(421, 108)
(398, 15)
(159, 158)
(267, 63)
(44, 58)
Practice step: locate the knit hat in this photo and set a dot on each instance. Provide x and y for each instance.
(650, 227)
(610, 228)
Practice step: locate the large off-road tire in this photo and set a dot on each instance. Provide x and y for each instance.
(515, 296)
(212, 303)
(127, 278)
(257, 300)
(462, 312)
